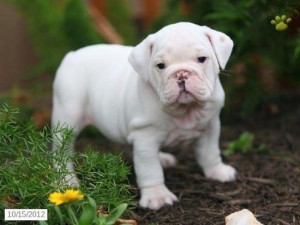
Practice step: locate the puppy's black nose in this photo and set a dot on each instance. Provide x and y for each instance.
(181, 84)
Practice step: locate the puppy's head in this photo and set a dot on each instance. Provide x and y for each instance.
(182, 61)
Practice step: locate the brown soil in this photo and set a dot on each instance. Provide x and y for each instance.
(268, 182)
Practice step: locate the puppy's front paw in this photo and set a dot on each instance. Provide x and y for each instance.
(221, 172)
(156, 197)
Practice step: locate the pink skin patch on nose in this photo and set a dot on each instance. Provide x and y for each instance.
(182, 74)
(186, 87)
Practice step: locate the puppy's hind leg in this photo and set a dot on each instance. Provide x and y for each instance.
(167, 160)
(65, 116)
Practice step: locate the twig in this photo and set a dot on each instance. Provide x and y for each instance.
(288, 204)
(282, 221)
(239, 201)
(234, 192)
(122, 221)
(260, 180)
(215, 213)
(104, 27)
(119, 221)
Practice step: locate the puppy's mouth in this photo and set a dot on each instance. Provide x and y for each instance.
(184, 96)
(186, 91)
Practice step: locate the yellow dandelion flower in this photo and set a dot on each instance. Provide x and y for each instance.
(73, 195)
(57, 198)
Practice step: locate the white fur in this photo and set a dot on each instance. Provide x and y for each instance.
(141, 105)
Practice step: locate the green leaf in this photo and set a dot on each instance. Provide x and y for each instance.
(60, 215)
(262, 148)
(101, 220)
(88, 215)
(72, 215)
(246, 142)
(92, 202)
(115, 214)
(243, 144)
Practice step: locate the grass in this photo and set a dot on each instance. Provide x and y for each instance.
(27, 174)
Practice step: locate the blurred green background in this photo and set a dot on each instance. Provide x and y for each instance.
(35, 35)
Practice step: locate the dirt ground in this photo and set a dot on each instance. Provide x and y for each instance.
(268, 182)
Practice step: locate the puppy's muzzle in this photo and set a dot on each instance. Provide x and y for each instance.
(182, 76)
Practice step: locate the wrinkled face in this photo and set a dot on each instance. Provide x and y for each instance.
(183, 69)
(182, 62)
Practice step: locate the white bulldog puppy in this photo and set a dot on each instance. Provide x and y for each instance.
(163, 92)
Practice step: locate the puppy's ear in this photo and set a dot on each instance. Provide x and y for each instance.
(221, 43)
(140, 57)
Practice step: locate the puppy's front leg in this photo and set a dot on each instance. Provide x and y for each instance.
(149, 173)
(209, 156)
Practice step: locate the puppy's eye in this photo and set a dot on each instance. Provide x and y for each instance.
(160, 66)
(202, 59)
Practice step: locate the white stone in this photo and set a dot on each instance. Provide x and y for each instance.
(242, 217)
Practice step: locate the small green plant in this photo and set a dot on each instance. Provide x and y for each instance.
(78, 209)
(28, 175)
(243, 144)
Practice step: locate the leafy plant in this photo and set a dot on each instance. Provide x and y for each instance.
(243, 144)
(74, 207)
(57, 27)
(119, 14)
(101, 172)
(90, 216)
(28, 176)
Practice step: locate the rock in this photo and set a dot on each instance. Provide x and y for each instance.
(242, 217)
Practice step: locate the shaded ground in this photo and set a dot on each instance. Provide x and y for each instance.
(268, 182)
